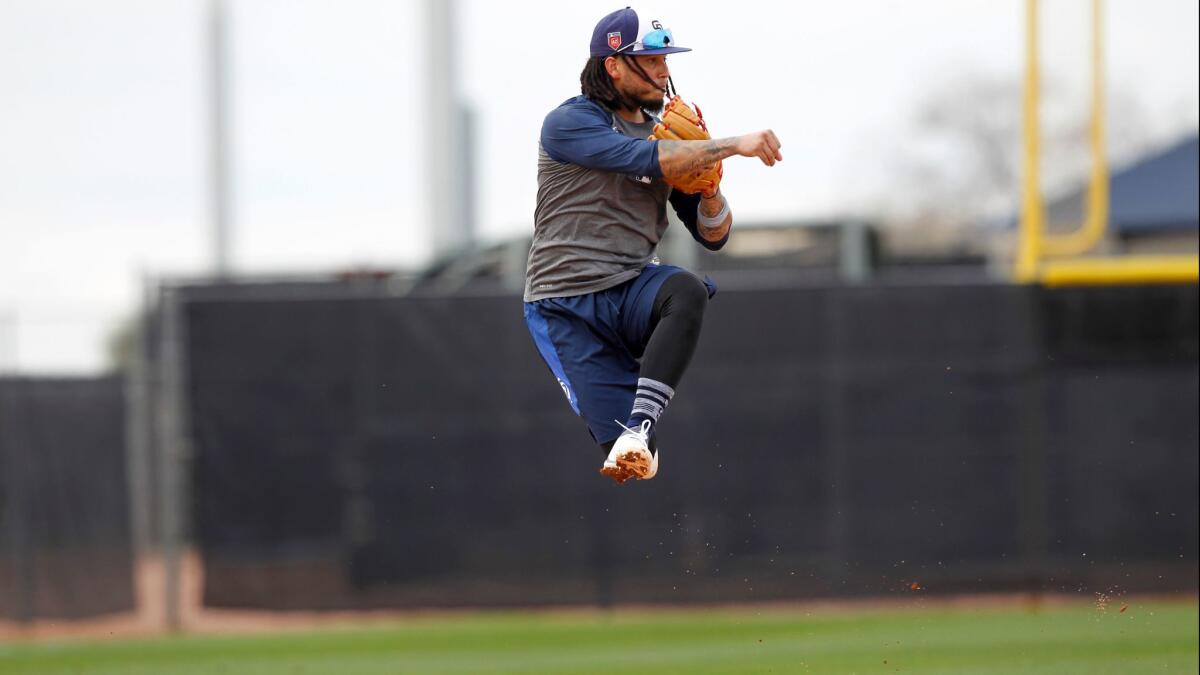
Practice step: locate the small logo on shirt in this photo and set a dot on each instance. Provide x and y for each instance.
(614, 40)
(643, 179)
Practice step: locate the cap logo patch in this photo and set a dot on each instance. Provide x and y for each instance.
(614, 40)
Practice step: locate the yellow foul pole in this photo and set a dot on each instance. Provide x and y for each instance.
(1096, 211)
(1032, 211)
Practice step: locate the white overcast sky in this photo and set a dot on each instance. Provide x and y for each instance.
(104, 118)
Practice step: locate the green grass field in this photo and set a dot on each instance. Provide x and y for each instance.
(1146, 638)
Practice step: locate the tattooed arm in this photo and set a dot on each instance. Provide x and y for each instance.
(681, 157)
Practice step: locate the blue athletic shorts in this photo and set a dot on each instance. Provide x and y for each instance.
(592, 344)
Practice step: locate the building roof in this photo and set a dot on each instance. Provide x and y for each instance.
(1156, 193)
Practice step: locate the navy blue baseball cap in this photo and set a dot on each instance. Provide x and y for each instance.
(620, 33)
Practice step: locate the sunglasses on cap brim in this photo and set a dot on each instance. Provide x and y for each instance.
(655, 39)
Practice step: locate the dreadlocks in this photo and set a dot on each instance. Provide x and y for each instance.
(597, 85)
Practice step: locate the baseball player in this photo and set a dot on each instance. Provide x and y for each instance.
(616, 328)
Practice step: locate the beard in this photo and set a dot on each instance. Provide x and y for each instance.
(652, 103)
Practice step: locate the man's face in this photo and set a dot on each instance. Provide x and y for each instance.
(633, 85)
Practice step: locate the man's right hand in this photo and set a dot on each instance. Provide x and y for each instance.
(761, 144)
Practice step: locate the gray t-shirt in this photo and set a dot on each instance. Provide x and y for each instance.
(601, 202)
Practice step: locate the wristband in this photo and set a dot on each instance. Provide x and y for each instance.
(711, 222)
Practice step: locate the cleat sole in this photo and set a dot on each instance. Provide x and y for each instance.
(636, 463)
(617, 473)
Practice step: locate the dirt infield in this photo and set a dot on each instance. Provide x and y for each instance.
(150, 617)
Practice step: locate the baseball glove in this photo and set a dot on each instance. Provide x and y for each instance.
(680, 123)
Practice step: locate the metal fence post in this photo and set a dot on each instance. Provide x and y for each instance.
(174, 449)
(138, 430)
(854, 252)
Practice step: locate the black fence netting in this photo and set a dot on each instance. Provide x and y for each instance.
(65, 541)
(415, 451)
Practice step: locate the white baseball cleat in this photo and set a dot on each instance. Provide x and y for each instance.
(630, 456)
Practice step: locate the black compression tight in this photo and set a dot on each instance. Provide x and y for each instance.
(675, 324)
